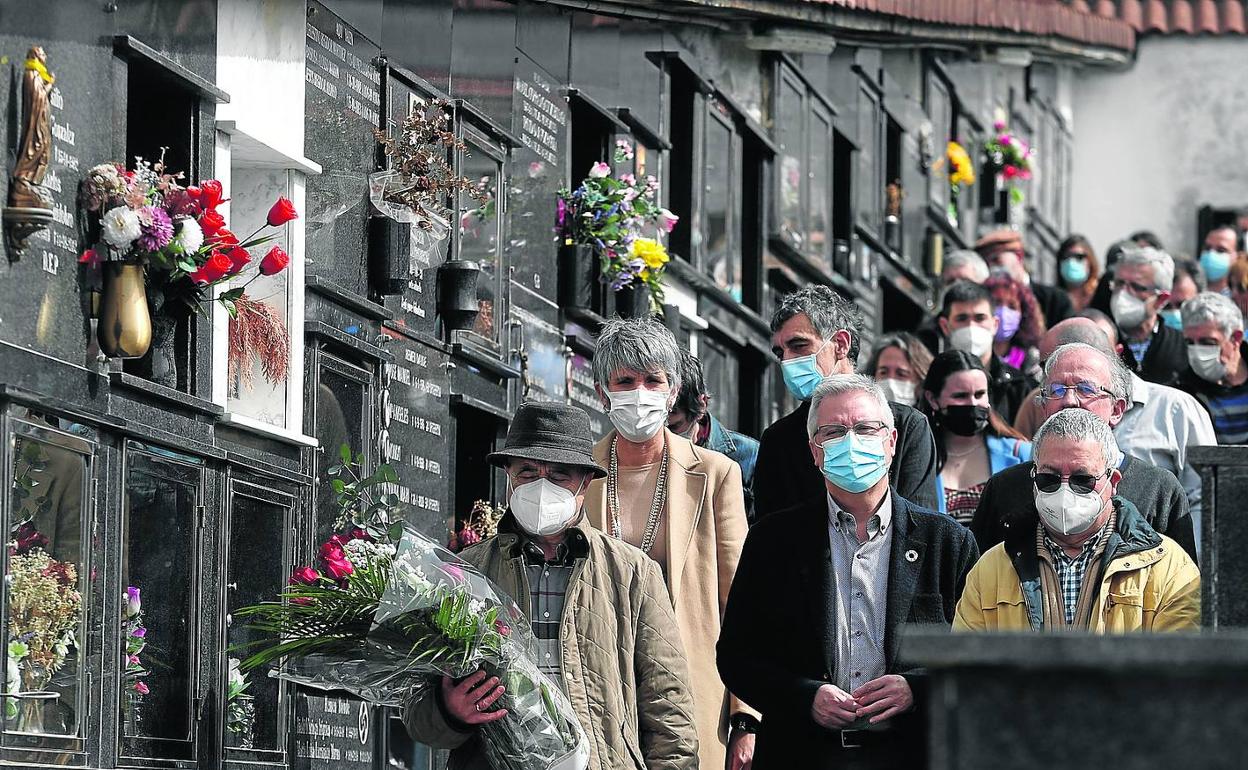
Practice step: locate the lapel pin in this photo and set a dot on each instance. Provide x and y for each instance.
(912, 556)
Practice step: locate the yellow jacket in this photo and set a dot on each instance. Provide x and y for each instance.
(1149, 584)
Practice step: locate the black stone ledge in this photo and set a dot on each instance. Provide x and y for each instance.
(348, 299)
(363, 347)
(53, 383)
(135, 48)
(258, 461)
(1172, 654)
(707, 288)
(1214, 456)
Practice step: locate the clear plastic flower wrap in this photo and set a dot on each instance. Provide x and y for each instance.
(387, 612)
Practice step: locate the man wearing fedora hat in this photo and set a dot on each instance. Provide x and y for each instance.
(600, 611)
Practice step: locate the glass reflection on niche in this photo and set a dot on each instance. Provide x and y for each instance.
(479, 232)
(45, 586)
(159, 628)
(723, 259)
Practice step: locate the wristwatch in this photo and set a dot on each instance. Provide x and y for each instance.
(744, 722)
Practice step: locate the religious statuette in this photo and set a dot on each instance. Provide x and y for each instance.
(29, 209)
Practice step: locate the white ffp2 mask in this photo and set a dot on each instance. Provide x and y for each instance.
(638, 414)
(542, 507)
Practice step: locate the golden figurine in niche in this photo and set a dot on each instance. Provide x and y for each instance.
(29, 209)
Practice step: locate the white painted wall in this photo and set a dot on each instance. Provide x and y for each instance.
(1155, 143)
(260, 53)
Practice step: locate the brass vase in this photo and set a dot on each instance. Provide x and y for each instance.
(125, 323)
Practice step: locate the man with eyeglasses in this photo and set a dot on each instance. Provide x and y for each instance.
(1141, 288)
(838, 575)
(1091, 562)
(1084, 377)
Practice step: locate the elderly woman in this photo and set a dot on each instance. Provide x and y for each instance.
(681, 504)
(898, 364)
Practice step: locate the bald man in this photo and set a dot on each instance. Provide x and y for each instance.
(1031, 413)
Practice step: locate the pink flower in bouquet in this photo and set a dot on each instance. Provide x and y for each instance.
(599, 170)
(361, 534)
(998, 126)
(157, 229)
(667, 220)
(561, 210)
(304, 576)
(224, 238)
(628, 179)
(502, 628)
(133, 660)
(454, 573)
(28, 538)
(282, 212)
(141, 688)
(134, 603)
(468, 537)
(335, 561)
(1010, 172)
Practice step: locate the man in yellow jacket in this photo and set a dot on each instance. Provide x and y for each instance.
(1091, 563)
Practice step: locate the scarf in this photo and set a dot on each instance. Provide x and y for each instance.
(37, 66)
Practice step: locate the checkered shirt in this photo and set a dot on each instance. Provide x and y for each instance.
(548, 587)
(1071, 571)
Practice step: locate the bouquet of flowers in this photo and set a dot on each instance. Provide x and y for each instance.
(482, 523)
(612, 214)
(1010, 157)
(147, 216)
(386, 612)
(44, 610)
(133, 642)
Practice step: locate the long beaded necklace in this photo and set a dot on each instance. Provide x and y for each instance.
(656, 506)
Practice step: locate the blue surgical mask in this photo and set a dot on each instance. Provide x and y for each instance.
(854, 463)
(1173, 318)
(802, 375)
(1075, 270)
(1216, 264)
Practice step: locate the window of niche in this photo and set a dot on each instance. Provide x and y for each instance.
(47, 588)
(719, 236)
(940, 112)
(258, 564)
(723, 379)
(819, 179)
(477, 433)
(160, 631)
(480, 234)
(870, 182)
(343, 407)
(791, 160)
(893, 230)
(842, 203)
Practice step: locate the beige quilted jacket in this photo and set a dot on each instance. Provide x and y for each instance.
(624, 666)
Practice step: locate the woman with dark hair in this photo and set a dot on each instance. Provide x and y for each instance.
(1080, 270)
(898, 364)
(1020, 324)
(972, 441)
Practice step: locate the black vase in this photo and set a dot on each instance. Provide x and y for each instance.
(580, 286)
(632, 301)
(457, 294)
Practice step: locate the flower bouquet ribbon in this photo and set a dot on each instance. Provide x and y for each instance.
(386, 617)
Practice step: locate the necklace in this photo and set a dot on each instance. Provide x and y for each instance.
(961, 454)
(656, 505)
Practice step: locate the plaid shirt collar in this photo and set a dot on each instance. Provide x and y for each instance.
(1059, 553)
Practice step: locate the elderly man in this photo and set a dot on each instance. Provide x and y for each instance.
(1214, 330)
(1003, 250)
(601, 615)
(1140, 289)
(1086, 377)
(968, 324)
(691, 418)
(811, 635)
(815, 333)
(682, 505)
(1091, 562)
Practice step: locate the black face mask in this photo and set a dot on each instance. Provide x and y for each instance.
(964, 419)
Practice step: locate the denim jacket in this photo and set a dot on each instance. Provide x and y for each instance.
(742, 450)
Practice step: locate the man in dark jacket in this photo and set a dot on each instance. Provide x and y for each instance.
(839, 575)
(816, 333)
(1003, 250)
(1150, 348)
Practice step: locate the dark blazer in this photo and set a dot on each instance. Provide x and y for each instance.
(1007, 388)
(785, 474)
(1008, 503)
(778, 642)
(1165, 361)
(1054, 302)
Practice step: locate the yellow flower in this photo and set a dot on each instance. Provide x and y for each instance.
(649, 251)
(961, 169)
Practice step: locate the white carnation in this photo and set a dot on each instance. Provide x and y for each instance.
(190, 236)
(121, 227)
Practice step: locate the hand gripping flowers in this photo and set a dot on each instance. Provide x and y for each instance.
(386, 613)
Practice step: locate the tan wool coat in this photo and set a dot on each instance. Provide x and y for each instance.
(706, 528)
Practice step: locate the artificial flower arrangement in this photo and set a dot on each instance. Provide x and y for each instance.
(44, 612)
(961, 174)
(612, 215)
(1010, 157)
(133, 642)
(385, 613)
(482, 523)
(239, 712)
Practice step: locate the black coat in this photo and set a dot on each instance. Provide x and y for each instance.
(1165, 361)
(777, 646)
(1054, 302)
(1008, 504)
(786, 475)
(1007, 389)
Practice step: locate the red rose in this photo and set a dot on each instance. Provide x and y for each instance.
(28, 538)
(223, 238)
(274, 262)
(90, 258)
(211, 221)
(338, 569)
(282, 212)
(217, 267)
(210, 194)
(305, 576)
(240, 257)
(360, 534)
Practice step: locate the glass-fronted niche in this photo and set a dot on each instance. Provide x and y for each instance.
(47, 589)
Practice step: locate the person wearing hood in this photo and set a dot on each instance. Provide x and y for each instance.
(682, 504)
(972, 441)
(602, 620)
(970, 324)
(1140, 289)
(1088, 561)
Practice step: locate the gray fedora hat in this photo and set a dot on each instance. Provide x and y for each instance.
(549, 433)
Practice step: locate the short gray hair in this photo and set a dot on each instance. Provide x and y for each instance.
(639, 344)
(1161, 262)
(828, 312)
(1211, 306)
(1078, 424)
(840, 384)
(1119, 374)
(964, 257)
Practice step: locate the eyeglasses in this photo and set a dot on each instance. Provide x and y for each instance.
(1080, 483)
(1084, 391)
(864, 429)
(1138, 289)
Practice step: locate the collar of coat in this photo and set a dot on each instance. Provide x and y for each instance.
(511, 538)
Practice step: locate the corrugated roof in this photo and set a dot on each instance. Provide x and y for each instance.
(1174, 17)
(1074, 21)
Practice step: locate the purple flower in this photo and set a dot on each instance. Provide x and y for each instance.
(156, 235)
(133, 604)
(562, 212)
(140, 632)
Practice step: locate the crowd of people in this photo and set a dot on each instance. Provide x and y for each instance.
(1018, 462)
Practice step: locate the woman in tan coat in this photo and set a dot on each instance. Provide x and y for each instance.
(681, 504)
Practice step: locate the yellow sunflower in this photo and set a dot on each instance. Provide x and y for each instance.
(961, 169)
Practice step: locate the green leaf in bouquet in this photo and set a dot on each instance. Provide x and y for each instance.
(344, 451)
(396, 532)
